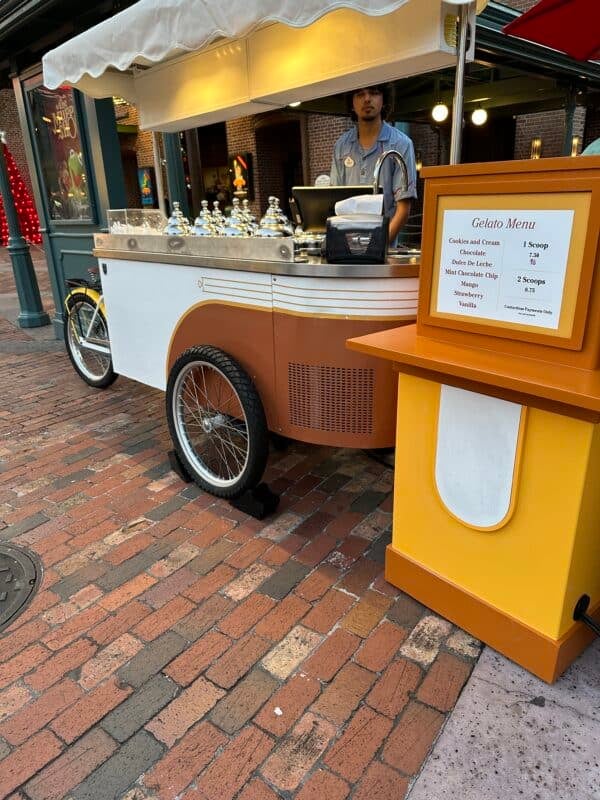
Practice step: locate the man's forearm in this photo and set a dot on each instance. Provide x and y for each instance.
(399, 219)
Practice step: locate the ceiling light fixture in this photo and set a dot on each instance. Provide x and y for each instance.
(440, 112)
(479, 116)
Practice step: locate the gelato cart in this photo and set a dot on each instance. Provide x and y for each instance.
(253, 343)
(246, 333)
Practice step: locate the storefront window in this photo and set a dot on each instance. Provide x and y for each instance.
(61, 154)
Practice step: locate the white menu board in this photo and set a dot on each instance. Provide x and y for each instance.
(507, 266)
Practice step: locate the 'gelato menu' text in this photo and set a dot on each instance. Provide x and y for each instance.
(505, 266)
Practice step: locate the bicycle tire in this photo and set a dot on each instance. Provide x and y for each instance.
(102, 374)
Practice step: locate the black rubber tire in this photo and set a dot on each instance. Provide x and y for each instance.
(72, 301)
(248, 397)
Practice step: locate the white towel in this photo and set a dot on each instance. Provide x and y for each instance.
(360, 204)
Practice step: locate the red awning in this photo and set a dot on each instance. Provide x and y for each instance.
(571, 26)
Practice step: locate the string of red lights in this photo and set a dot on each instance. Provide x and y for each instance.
(28, 217)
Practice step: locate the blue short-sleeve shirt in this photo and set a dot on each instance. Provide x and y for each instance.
(352, 165)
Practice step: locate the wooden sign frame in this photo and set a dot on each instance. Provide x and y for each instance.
(555, 183)
(503, 196)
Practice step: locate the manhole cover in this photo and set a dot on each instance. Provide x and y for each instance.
(20, 577)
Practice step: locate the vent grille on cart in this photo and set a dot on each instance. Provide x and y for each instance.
(329, 398)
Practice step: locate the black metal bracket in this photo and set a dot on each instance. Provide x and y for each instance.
(580, 615)
(279, 442)
(177, 466)
(258, 502)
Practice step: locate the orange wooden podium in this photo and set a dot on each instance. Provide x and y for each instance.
(497, 473)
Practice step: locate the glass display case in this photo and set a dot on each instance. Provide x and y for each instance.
(136, 220)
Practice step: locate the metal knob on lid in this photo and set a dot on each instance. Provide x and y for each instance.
(274, 221)
(235, 224)
(203, 222)
(249, 216)
(177, 225)
(218, 220)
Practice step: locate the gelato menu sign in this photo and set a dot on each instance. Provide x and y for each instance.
(507, 266)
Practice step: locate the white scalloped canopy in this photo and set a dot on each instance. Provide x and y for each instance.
(186, 63)
(155, 30)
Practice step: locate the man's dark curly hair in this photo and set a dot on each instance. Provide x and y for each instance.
(383, 88)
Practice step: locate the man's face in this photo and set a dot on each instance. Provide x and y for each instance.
(367, 103)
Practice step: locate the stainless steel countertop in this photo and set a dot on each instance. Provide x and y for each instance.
(400, 266)
(275, 256)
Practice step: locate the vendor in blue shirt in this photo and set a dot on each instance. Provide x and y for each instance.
(357, 151)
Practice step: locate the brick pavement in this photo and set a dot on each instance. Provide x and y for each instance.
(7, 282)
(179, 648)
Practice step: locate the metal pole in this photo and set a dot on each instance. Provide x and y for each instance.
(32, 314)
(194, 165)
(570, 106)
(457, 105)
(160, 189)
(175, 174)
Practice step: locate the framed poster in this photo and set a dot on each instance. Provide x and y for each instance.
(510, 264)
(147, 186)
(240, 175)
(61, 153)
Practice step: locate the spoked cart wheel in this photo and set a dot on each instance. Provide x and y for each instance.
(217, 422)
(88, 348)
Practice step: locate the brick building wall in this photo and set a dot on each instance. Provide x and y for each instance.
(432, 146)
(136, 151)
(431, 143)
(322, 132)
(9, 123)
(241, 138)
(271, 148)
(550, 127)
(143, 139)
(279, 153)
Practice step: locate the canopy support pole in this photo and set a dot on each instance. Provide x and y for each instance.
(160, 189)
(570, 106)
(457, 105)
(175, 173)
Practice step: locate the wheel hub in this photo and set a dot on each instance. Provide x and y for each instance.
(209, 424)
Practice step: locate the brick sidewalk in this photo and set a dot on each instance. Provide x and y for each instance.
(9, 304)
(179, 648)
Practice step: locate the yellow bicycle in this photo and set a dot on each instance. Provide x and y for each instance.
(86, 331)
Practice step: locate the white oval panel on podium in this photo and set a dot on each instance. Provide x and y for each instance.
(476, 456)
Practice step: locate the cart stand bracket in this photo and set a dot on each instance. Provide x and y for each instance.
(258, 502)
(177, 466)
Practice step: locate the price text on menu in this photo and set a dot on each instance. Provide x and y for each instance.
(507, 266)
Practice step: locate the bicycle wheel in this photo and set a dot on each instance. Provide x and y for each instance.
(90, 355)
(217, 421)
